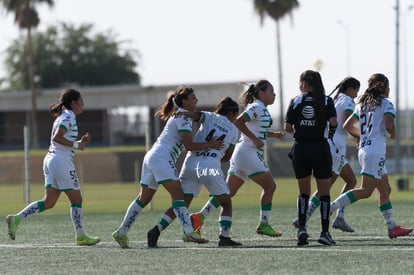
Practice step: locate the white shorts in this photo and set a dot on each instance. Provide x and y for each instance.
(247, 162)
(157, 169)
(60, 172)
(338, 158)
(195, 173)
(372, 164)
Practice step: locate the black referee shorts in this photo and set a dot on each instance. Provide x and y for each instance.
(312, 157)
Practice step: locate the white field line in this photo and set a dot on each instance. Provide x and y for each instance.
(278, 244)
(268, 249)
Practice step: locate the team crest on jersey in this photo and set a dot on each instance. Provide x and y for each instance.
(255, 115)
(185, 123)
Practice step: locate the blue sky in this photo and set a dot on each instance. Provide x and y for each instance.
(194, 41)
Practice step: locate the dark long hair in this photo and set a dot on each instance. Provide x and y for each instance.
(252, 92)
(314, 79)
(176, 97)
(227, 105)
(65, 100)
(378, 86)
(347, 82)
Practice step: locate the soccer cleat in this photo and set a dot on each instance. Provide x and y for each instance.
(398, 231)
(264, 228)
(227, 242)
(121, 239)
(326, 239)
(340, 223)
(85, 240)
(12, 223)
(302, 237)
(152, 237)
(197, 221)
(194, 238)
(295, 223)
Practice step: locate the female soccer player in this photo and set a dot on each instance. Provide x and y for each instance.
(307, 118)
(159, 168)
(203, 167)
(247, 160)
(347, 90)
(375, 114)
(59, 169)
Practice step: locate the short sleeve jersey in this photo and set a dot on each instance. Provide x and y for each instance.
(258, 122)
(218, 127)
(302, 114)
(371, 120)
(169, 140)
(67, 121)
(343, 104)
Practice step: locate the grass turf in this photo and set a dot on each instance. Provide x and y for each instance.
(45, 243)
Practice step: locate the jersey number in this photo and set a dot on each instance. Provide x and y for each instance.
(73, 174)
(366, 123)
(211, 134)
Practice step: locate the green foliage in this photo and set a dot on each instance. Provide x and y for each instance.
(25, 13)
(65, 54)
(276, 9)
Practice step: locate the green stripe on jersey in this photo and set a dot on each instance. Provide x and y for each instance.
(246, 115)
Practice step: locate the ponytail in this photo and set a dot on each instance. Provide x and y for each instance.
(252, 92)
(342, 87)
(166, 109)
(378, 85)
(174, 98)
(314, 79)
(66, 98)
(56, 109)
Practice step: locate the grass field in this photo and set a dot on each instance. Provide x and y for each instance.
(45, 243)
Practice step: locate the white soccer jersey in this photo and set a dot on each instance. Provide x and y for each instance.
(58, 167)
(159, 163)
(373, 133)
(218, 127)
(203, 167)
(343, 104)
(248, 160)
(258, 122)
(169, 140)
(67, 121)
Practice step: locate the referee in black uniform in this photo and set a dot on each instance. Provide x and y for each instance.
(307, 118)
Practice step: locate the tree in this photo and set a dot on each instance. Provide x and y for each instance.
(27, 17)
(276, 9)
(69, 55)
